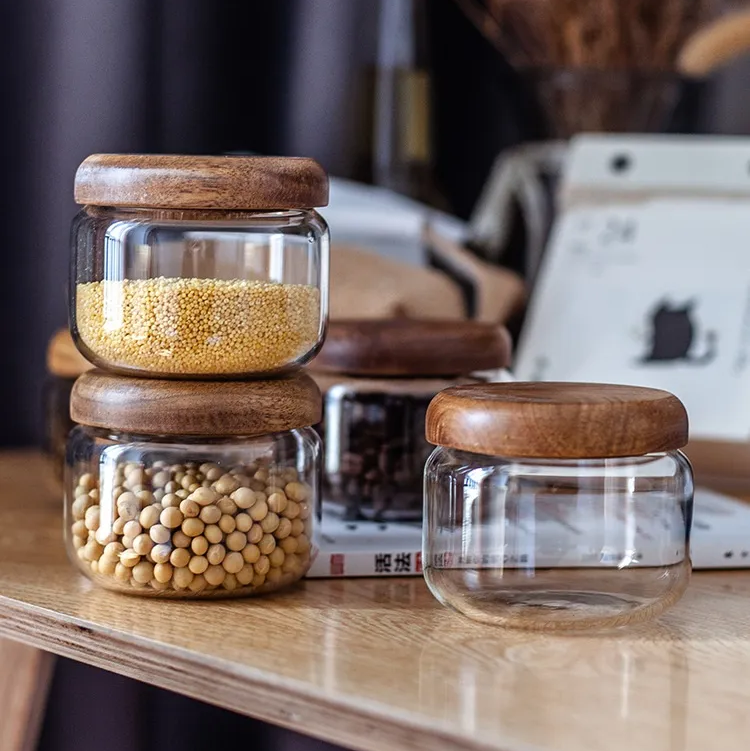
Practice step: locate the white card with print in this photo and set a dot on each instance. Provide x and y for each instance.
(652, 293)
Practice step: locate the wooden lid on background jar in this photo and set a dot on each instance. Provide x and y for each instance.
(227, 183)
(63, 358)
(416, 348)
(195, 408)
(557, 420)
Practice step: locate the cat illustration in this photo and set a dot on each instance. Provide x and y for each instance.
(673, 334)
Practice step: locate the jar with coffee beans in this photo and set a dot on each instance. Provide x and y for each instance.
(192, 489)
(378, 377)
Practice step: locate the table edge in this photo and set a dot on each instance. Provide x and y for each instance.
(281, 702)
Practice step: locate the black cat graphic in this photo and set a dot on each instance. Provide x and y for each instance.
(672, 336)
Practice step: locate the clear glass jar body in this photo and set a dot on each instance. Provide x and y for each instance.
(551, 545)
(199, 294)
(374, 446)
(191, 517)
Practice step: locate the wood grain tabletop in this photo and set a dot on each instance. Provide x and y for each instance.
(378, 664)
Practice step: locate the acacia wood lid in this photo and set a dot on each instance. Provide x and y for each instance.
(63, 358)
(173, 181)
(195, 408)
(410, 347)
(557, 420)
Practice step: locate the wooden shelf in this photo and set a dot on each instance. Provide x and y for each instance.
(378, 664)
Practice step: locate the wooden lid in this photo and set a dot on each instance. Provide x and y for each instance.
(409, 347)
(195, 408)
(557, 420)
(171, 181)
(63, 358)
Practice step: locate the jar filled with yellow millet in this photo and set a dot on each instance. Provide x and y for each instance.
(199, 267)
(192, 489)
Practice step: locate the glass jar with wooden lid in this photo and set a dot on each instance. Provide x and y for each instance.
(379, 377)
(557, 506)
(199, 267)
(64, 364)
(192, 489)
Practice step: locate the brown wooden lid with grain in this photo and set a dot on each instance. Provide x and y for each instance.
(557, 420)
(409, 347)
(172, 181)
(195, 408)
(63, 358)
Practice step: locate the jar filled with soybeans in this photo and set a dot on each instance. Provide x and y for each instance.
(200, 489)
(199, 267)
(554, 506)
(378, 379)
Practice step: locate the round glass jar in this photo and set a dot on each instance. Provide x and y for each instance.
(64, 364)
(378, 379)
(199, 267)
(203, 489)
(557, 506)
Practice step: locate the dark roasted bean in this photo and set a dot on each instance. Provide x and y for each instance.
(377, 470)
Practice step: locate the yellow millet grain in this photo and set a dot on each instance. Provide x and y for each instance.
(198, 326)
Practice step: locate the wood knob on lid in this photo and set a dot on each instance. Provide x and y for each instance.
(172, 181)
(195, 408)
(557, 420)
(409, 347)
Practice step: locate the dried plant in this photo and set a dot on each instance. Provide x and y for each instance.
(642, 34)
(631, 41)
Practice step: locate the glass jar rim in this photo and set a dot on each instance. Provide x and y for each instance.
(123, 437)
(562, 463)
(149, 214)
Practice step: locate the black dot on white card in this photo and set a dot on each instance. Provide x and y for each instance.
(621, 163)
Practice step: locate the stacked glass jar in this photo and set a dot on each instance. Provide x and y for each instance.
(199, 289)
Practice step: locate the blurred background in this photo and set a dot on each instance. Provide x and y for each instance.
(416, 96)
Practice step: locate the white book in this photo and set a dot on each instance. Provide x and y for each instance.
(720, 540)
(365, 548)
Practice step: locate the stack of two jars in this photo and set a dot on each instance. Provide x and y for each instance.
(199, 290)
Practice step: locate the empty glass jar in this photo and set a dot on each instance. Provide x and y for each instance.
(203, 489)
(379, 378)
(557, 506)
(199, 267)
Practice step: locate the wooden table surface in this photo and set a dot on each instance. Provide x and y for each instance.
(378, 664)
